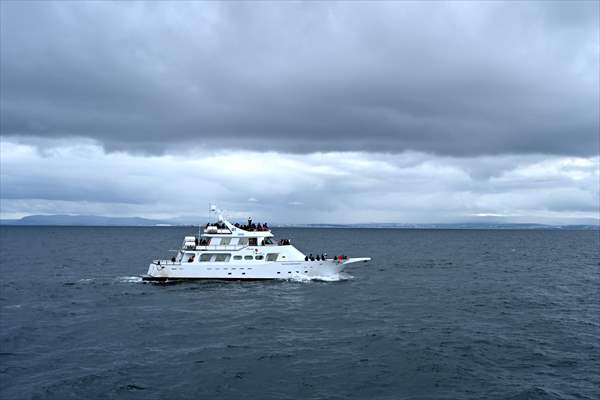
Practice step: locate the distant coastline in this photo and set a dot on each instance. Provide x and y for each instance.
(94, 220)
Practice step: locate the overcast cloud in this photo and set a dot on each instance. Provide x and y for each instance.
(328, 112)
(318, 187)
(462, 78)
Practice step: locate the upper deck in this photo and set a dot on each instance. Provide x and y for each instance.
(226, 228)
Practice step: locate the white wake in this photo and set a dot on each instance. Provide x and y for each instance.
(324, 278)
(129, 279)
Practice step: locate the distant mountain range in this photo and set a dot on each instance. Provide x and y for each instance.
(94, 220)
(82, 220)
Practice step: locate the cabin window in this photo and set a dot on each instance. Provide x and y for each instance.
(223, 257)
(259, 257)
(272, 256)
(243, 241)
(205, 257)
(189, 257)
(225, 241)
(252, 241)
(237, 257)
(247, 257)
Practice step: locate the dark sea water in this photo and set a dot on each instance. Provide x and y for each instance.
(437, 314)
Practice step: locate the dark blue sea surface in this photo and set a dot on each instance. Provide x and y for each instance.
(437, 314)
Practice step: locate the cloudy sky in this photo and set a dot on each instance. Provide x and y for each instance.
(302, 112)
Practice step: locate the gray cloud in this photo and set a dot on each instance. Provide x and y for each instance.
(457, 79)
(318, 187)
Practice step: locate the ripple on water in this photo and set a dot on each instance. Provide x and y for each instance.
(441, 314)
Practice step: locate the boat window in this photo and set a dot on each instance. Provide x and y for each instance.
(259, 257)
(247, 257)
(243, 241)
(225, 241)
(272, 256)
(252, 241)
(224, 257)
(237, 257)
(205, 257)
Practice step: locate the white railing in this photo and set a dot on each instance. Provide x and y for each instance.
(166, 262)
(217, 231)
(232, 247)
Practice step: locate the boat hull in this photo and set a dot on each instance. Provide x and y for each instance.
(160, 271)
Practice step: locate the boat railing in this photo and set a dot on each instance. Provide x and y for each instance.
(166, 262)
(232, 247)
(217, 231)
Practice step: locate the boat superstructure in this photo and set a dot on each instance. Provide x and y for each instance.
(223, 250)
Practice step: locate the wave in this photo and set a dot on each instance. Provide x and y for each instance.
(325, 278)
(535, 393)
(129, 279)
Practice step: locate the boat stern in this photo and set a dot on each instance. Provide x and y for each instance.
(157, 271)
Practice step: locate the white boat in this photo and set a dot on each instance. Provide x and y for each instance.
(226, 251)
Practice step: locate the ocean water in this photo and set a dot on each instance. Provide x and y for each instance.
(437, 314)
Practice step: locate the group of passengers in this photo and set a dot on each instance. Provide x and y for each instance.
(202, 242)
(253, 227)
(323, 257)
(218, 225)
(318, 257)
